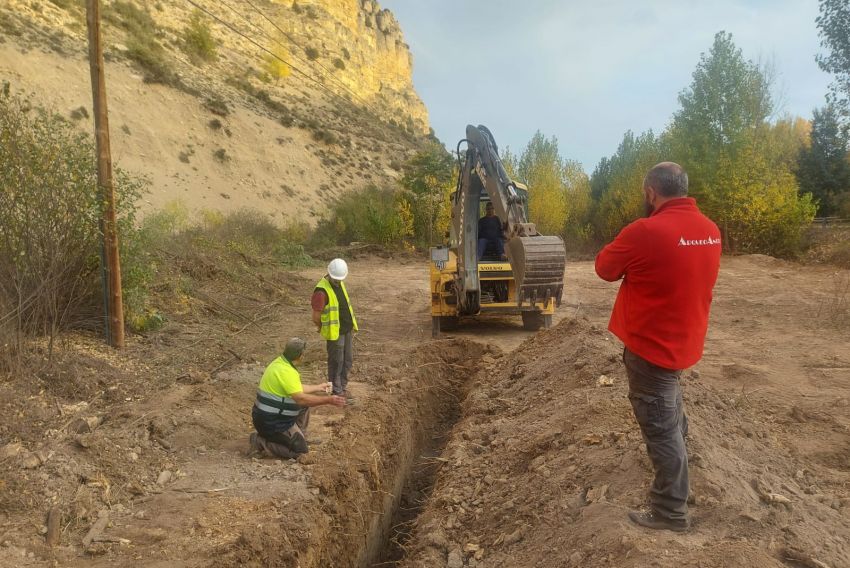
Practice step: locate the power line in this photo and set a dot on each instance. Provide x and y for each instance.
(292, 39)
(256, 44)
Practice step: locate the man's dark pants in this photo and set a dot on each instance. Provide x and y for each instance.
(497, 243)
(656, 398)
(340, 359)
(287, 444)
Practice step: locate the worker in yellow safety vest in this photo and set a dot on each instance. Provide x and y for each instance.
(334, 318)
(282, 408)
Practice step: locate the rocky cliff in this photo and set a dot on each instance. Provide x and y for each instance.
(274, 105)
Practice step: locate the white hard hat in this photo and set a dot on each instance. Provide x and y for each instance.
(338, 269)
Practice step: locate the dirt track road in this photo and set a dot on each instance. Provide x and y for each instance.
(776, 341)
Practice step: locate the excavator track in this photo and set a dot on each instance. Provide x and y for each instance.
(538, 263)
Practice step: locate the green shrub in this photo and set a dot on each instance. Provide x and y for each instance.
(198, 42)
(252, 236)
(339, 63)
(325, 136)
(375, 215)
(50, 223)
(217, 106)
(312, 53)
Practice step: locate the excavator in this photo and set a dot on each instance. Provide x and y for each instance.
(529, 282)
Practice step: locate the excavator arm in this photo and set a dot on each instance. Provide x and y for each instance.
(537, 261)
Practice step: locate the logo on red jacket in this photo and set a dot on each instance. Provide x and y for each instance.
(683, 242)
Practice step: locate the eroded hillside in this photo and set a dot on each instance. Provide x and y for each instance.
(238, 128)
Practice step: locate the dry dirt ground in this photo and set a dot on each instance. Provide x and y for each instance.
(535, 464)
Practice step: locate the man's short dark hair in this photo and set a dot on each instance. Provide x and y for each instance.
(668, 179)
(489, 205)
(294, 348)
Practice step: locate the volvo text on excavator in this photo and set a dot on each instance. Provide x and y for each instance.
(530, 282)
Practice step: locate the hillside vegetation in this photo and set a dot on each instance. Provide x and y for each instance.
(277, 107)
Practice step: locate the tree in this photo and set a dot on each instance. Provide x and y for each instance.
(559, 190)
(600, 179)
(510, 161)
(728, 97)
(739, 165)
(429, 178)
(824, 169)
(618, 181)
(766, 213)
(833, 25)
(540, 168)
(275, 63)
(577, 229)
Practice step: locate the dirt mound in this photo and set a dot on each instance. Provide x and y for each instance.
(548, 459)
(359, 474)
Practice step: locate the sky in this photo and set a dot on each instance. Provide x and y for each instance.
(586, 71)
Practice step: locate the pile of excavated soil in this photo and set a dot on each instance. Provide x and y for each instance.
(358, 474)
(547, 461)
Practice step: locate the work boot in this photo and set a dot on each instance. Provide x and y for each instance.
(650, 520)
(281, 451)
(256, 445)
(349, 398)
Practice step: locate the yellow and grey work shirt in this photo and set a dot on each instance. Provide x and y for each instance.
(275, 408)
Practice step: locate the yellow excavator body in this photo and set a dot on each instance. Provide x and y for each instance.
(528, 279)
(493, 275)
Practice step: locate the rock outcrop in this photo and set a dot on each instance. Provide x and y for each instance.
(299, 101)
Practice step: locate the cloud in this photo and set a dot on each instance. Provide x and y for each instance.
(586, 71)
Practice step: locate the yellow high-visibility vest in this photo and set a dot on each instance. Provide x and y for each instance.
(330, 315)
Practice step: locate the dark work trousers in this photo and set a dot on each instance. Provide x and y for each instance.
(656, 398)
(340, 359)
(497, 244)
(291, 443)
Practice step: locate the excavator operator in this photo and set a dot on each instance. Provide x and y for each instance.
(490, 234)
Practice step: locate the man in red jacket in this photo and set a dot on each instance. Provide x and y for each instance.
(668, 262)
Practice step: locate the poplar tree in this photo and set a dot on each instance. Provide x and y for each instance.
(824, 169)
(833, 24)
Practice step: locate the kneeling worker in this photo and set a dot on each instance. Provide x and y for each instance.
(282, 409)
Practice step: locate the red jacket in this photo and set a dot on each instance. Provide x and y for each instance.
(668, 263)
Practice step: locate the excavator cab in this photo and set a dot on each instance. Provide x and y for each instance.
(526, 280)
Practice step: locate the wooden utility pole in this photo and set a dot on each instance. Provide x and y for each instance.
(114, 303)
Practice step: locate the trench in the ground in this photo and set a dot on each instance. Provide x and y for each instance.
(415, 479)
(417, 483)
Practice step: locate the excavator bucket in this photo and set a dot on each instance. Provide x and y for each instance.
(538, 265)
